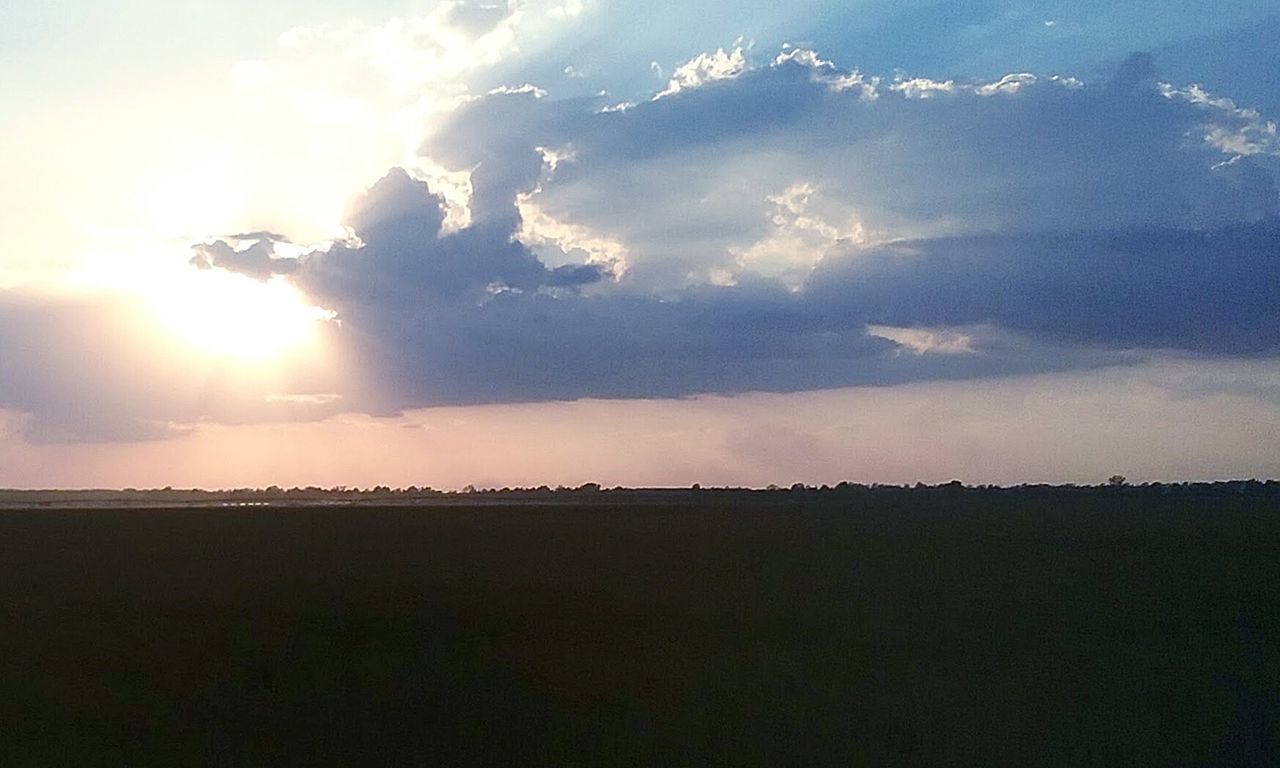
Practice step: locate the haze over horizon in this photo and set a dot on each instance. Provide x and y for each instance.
(567, 241)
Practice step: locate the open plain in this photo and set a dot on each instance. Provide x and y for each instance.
(879, 626)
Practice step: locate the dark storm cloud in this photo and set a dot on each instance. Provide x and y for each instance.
(403, 254)
(532, 347)
(256, 258)
(1215, 292)
(1067, 300)
(405, 258)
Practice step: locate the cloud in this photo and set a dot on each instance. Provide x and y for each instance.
(1057, 281)
(952, 308)
(404, 256)
(521, 347)
(477, 18)
(804, 226)
(252, 255)
(1072, 221)
(435, 328)
(1215, 291)
(94, 367)
(924, 341)
(569, 8)
(706, 68)
(474, 316)
(685, 182)
(793, 226)
(1239, 61)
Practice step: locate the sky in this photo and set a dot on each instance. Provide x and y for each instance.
(565, 241)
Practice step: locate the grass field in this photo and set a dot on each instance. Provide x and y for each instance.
(966, 628)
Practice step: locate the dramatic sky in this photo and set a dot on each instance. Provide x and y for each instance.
(559, 241)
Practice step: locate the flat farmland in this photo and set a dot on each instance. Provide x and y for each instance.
(882, 628)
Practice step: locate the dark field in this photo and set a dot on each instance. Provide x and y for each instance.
(894, 628)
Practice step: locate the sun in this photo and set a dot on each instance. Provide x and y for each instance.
(231, 317)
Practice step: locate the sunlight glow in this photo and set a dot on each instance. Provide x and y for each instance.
(199, 189)
(225, 315)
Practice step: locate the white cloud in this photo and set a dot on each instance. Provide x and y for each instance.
(803, 227)
(922, 87)
(556, 240)
(922, 341)
(706, 68)
(454, 187)
(826, 72)
(405, 54)
(685, 183)
(567, 9)
(1232, 130)
(508, 90)
(1011, 83)
(805, 56)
